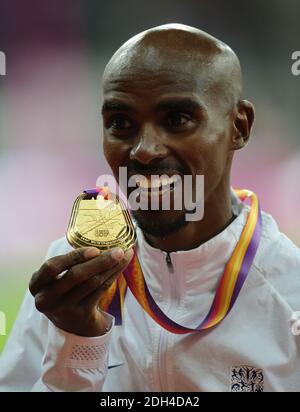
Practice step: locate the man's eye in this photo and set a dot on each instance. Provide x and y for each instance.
(119, 122)
(178, 120)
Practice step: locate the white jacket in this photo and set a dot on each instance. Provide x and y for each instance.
(253, 348)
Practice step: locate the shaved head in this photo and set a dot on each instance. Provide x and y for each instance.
(172, 104)
(183, 48)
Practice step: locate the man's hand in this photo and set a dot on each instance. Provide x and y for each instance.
(70, 301)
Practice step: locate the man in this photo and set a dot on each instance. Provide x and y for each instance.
(172, 104)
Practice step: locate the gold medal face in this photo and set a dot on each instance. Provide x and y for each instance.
(101, 223)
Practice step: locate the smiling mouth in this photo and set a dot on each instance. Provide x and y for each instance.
(157, 183)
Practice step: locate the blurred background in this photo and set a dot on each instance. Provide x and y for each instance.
(50, 123)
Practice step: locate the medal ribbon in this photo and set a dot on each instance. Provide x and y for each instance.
(231, 282)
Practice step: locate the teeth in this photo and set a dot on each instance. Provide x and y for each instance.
(157, 182)
(175, 179)
(154, 183)
(166, 180)
(163, 181)
(143, 183)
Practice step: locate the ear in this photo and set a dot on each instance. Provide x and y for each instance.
(243, 121)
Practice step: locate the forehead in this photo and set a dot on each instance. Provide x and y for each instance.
(153, 69)
(150, 85)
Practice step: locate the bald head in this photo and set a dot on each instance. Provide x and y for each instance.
(172, 102)
(182, 49)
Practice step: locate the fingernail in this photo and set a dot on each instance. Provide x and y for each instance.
(117, 254)
(129, 253)
(91, 252)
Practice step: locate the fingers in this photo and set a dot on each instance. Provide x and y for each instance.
(100, 282)
(71, 301)
(54, 266)
(82, 272)
(81, 280)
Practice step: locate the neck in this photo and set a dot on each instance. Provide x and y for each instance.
(217, 216)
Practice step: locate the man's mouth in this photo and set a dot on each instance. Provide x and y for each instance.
(157, 183)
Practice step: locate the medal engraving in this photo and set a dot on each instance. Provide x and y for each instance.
(101, 223)
(101, 232)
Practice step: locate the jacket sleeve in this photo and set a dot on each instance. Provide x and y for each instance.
(40, 357)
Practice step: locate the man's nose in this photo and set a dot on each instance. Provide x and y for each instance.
(148, 147)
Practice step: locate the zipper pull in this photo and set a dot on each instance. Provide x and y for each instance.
(169, 263)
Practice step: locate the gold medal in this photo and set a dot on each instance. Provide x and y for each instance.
(101, 222)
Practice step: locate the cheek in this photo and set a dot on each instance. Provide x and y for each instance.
(115, 152)
(111, 149)
(108, 151)
(207, 155)
(217, 161)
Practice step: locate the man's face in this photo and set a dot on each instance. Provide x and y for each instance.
(166, 121)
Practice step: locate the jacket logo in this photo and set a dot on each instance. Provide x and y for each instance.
(246, 379)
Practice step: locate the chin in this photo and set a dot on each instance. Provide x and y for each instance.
(159, 223)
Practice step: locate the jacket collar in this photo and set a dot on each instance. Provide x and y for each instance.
(197, 269)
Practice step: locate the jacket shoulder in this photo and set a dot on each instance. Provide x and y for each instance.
(278, 260)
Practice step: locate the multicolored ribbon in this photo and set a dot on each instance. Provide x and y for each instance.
(229, 287)
(103, 191)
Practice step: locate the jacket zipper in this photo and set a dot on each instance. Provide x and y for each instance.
(169, 263)
(163, 342)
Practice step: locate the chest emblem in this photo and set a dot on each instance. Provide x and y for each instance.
(246, 379)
